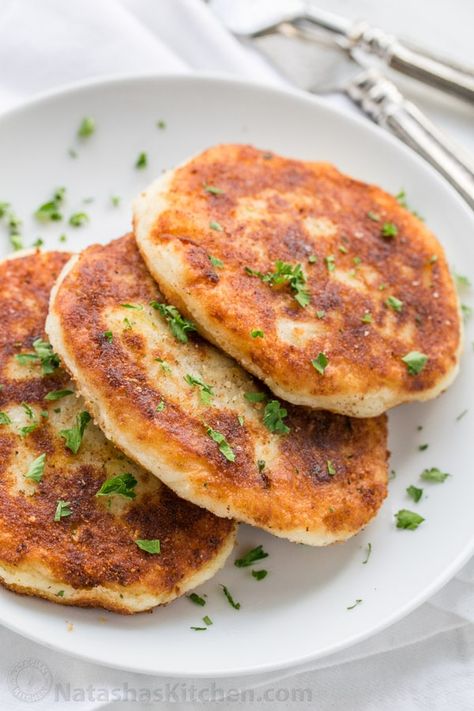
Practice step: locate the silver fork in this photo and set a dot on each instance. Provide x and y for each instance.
(292, 45)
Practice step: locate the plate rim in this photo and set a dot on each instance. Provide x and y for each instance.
(220, 78)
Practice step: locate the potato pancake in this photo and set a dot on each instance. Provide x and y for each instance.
(196, 419)
(80, 524)
(326, 288)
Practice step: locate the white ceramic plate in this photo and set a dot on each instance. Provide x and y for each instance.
(299, 612)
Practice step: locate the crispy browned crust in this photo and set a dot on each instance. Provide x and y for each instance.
(295, 495)
(90, 555)
(273, 208)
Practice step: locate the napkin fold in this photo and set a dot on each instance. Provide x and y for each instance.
(422, 662)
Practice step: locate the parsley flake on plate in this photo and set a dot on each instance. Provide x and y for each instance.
(259, 574)
(207, 620)
(231, 601)
(434, 474)
(368, 554)
(320, 363)
(408, 520)
(357, 602)
(73, 436)
(415, 362)
(224, 446)
(414, 493)
(251, 557)
(273, 417)
(122, 485)
(197, 599)
(86, 127)
(43, 354)
(180, 326)
(78, 219)
(36, 468)
(151, 545)
(63, 509)
(50, 211)
(142, 161)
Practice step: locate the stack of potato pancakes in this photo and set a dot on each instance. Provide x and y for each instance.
(230, 361)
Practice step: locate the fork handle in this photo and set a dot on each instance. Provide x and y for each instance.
(414, 62)
(384, 104)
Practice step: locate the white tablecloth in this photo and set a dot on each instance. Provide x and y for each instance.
(423, 662)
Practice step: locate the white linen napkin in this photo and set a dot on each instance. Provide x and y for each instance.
(47, 43)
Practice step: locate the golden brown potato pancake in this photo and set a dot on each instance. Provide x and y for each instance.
(58, 539)
(350, 291)
(181, 409)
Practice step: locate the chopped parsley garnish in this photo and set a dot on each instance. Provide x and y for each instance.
(251, 557)
(320, 363)
(415, 362)
(128, 324)
(178, 324)
(60, 593)
(151, 545)
(356, 260)
(142, 161)
(58, 394)
(216, 226)
(29, 412)
(161, 406)
(198, 629)
(63, 509)
(4, 419)
(257, 333)
(342, 249)
(232, 603)
(43, 354)
(28, 429)
(255, 397)
(312, 259)
(213, 190)
(164, 365)
(259, 574)
(423, 447)
(197, 599)
(330, 263)
(115, 200)
(207, 620)
(161, 124)
(286, 274)
(50, 210)
(216, 262)
(394, 303)
(434, 474)
(36, 468)
(389, 229)
(463, 282)
(357, 602)
(122, 485)
(224, 447)
(108, 335)
(415, 493)
(368, 554)
(261, 464)
(320, 314)
(86, 127)
(461, 415)
(367, 317)
(78, 219)
(273, 417)
(135, 307)
(408, 520)
(373, 216)
(73, 437)
(330, 467)
(63, 238)
(466, 311)
(241, 420)
(38, 242)
(205, 391)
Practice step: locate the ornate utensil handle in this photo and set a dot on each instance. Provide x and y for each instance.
(384, 104)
